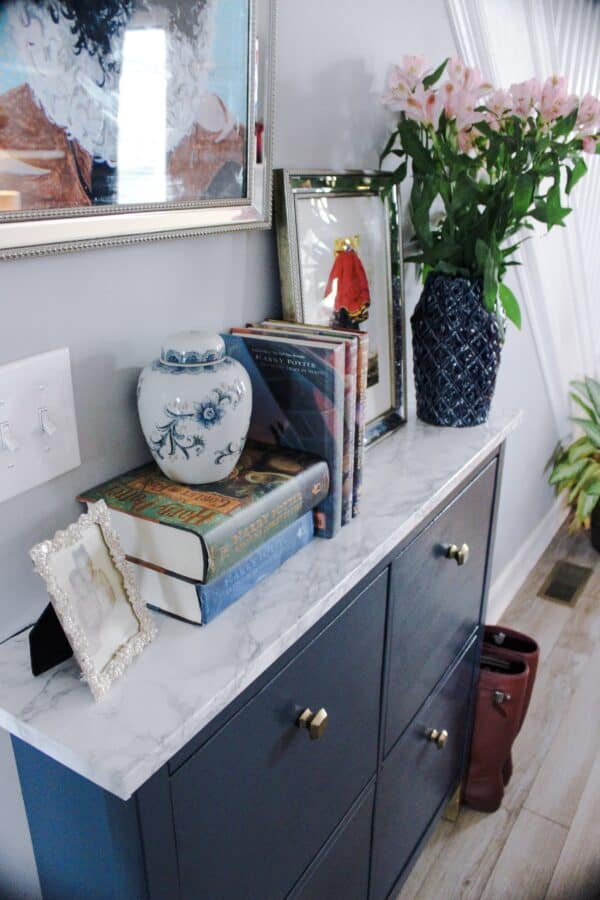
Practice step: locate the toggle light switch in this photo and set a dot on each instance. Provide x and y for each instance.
(47, 425)
(37, 419)
(7, 440)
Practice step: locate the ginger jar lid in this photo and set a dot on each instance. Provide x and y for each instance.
(192, 348)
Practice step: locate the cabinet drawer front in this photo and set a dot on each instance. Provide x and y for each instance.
(436, 603)
(343, 869)
(417, 775)
(256, 803)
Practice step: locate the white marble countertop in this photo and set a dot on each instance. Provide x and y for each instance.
(190, 674)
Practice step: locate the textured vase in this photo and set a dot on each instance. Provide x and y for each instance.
(194, 405)
(456, 352)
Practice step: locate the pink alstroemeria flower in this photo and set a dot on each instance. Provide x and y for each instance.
(588, 117)
(413, 68)
(589, 144)
(469, 79)
(423, 106)
(466, 139)
(499, 103)
(525, 95)
(555, 102)
(465, 103)
(398, 89)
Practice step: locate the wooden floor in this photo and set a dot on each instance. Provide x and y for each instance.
(544, 841)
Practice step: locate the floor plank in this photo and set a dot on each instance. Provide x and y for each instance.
(577, 874)
(528, 859)
(559, 785)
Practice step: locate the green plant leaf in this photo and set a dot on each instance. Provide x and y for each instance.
(593, 488)
(431, 79)
(510, 304)
(585, 407)
(580, 448)
(593, 391)
(591, 429)
(574, 174)
(568, 471)
(523, 195)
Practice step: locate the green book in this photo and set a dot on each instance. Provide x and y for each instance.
(200, 531)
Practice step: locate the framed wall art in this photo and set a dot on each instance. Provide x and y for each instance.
(340, 260)
(95, 597)
(133, 120)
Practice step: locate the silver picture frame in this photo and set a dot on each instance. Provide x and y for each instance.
(291, 187)
(38, 232)
(75, 590)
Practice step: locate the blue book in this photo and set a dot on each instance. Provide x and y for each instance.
(200, 603)
(298, 396)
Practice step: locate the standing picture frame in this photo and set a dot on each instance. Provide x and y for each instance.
(95, 597)
(340, 263)
(124, 123)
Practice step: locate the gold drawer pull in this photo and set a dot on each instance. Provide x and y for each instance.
(315, 722)
(460, 554)
(439, 738)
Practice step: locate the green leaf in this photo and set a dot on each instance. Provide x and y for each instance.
(591, 429)
(523, 195)
(587, 409)
(566, 125)
(593, 391)
(574, 174)
(580, 449)
(390, 143)
(568, 471)
(490, 283)
(431, 79)
(593, 488)
(510, 304)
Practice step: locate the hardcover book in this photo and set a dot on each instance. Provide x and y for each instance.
(350, 351)
(298, 402)
(361, 340)
(200, 603)
(201, 531)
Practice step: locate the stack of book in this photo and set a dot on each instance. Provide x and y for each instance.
(198, 549)
(309, 386)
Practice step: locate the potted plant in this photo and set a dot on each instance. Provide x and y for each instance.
(576, 468)
(485, 163)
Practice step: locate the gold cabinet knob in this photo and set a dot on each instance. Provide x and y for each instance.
(439, 738)
(460, 554)
(316, 723)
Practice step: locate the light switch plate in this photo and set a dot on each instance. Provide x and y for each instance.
(38, 430)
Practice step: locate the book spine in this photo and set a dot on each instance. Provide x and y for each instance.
(350, 394)
(361, 417)
(231, 541)
(229, 587)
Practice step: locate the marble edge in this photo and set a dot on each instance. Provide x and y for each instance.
(124, 785)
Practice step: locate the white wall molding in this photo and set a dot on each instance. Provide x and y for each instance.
(507, 584)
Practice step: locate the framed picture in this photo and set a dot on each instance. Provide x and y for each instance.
(340, 261)
(95, 597)
(127, 121)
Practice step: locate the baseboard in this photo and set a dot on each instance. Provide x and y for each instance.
(508, 582)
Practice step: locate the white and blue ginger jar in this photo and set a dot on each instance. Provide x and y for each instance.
(194, 405)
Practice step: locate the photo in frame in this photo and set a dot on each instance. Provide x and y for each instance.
(340, 262)
(132, 120)
(95, 597)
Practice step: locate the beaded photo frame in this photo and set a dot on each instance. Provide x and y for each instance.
(95, 597)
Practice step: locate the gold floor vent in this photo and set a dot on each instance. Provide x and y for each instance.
(565, 582)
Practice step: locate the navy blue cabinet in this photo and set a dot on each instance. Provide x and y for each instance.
(254, 808)
(435, 603)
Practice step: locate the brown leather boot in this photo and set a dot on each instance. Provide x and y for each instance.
(500, 695)
(510, 644)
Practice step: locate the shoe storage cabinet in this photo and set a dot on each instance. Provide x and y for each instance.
(256, 807)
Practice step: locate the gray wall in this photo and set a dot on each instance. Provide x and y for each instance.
(113, 307)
